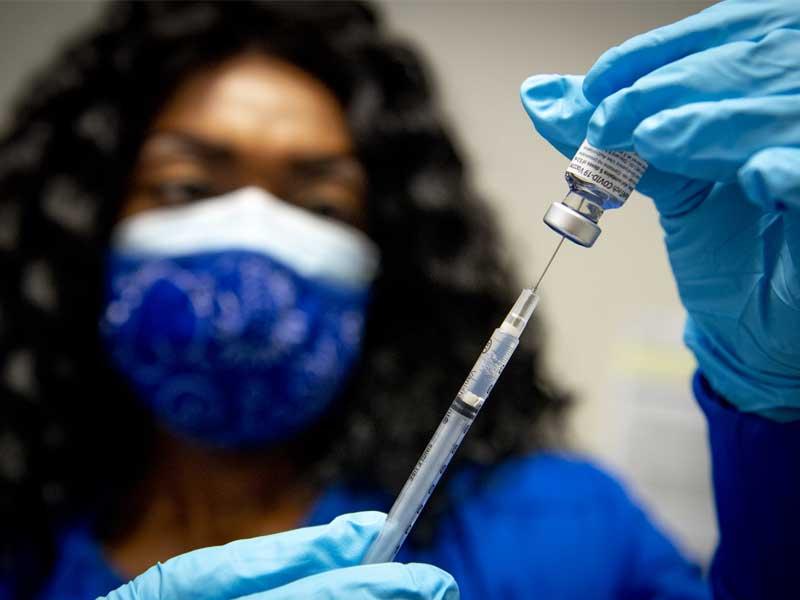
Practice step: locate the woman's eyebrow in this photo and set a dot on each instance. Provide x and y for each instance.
(344, 166)
(187, 144)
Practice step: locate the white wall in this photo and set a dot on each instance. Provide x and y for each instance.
(606, 308)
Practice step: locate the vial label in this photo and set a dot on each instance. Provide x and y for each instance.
(616, 173)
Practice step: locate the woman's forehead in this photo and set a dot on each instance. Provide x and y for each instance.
(258, 105)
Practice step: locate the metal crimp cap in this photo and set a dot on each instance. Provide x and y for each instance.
(572, 224)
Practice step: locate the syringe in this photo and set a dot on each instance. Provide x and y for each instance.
(451, 431)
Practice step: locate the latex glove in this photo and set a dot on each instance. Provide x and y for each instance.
(315, 562)
(713, 104)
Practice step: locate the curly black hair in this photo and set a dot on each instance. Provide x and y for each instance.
(72, 438)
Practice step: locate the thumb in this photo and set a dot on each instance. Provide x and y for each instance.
(771, 179)
(249, 566)
(558, 109)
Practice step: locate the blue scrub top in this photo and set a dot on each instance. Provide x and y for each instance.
(544, 526)
(553, 526)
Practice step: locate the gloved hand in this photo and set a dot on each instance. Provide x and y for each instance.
(712, 102)
(315, 562)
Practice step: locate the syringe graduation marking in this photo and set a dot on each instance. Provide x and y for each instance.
(451, 431)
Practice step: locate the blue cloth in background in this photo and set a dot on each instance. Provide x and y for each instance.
(756, 470)
(549, 526)
(555, 526)
(81, 570)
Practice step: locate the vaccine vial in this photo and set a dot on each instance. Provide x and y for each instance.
(598, 180)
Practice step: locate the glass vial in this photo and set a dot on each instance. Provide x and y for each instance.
(598, 180)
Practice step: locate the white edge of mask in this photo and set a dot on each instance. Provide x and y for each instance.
(254, 220)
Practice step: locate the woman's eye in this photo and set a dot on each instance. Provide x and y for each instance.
(334, 209)
(182, 192)
(326, 209)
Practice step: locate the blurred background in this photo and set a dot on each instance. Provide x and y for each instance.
(611, 314)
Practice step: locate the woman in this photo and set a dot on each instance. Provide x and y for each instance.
(170, 386)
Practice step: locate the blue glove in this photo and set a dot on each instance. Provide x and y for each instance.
(713, 104)
(315, 562)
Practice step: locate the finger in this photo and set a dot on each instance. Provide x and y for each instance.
(371, 582)
(248, 566)
(742, 69)
(726, 22)
(771, 178)
(560, 113)
(712, 140)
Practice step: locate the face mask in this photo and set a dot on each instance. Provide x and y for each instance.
(236, 319)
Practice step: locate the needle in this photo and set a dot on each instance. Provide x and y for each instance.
(549, 262)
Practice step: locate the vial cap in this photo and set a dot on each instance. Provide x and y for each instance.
(571, 224)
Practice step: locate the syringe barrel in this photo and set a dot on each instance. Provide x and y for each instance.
(419, 486)
(444, 443)
(487, 369)
(517, 317)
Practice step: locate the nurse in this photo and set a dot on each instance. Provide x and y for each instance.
(242, 348)
(237, 224)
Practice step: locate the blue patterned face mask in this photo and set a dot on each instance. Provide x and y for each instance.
(236, 319)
